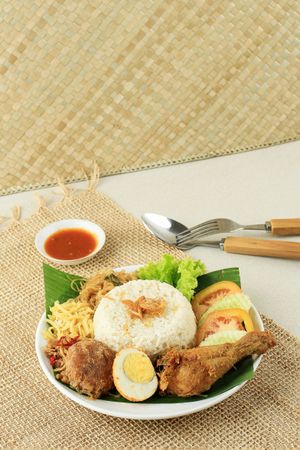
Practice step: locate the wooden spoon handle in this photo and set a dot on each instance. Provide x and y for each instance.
(262, 247)
(285, 227)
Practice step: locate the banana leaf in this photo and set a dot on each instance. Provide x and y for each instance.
(230, 274)
(62, 286)
(59, 286)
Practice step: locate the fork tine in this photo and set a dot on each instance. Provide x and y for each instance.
(195, 227)
(207, 232)
(210, 229)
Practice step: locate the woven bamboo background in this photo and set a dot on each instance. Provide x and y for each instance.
(135, 83)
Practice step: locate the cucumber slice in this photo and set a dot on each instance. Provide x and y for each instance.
(223, 337)
(230, 301)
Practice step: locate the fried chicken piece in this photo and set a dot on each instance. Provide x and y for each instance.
(193, 371)
(89, 367)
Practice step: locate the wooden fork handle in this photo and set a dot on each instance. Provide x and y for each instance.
(262, 247)
(285, 227)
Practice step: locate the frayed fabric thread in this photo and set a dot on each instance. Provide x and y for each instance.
(40, 200)
(16, 213)
(66, 191)
(94, 179)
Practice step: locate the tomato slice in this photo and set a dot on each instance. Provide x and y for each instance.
(208, 296)
(226, 319)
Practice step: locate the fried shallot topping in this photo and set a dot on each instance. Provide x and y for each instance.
(143, 307)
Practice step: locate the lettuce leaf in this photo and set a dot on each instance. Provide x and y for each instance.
(164, 270)
(189, 270)
(180, 273)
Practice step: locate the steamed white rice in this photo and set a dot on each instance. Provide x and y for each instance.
(114, 326)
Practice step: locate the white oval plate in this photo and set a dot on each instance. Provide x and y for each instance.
(139, 411)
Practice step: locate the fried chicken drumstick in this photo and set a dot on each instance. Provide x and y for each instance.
(193, 371)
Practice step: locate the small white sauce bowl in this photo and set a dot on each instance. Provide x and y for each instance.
(51, 228)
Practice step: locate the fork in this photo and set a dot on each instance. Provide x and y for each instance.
(280, 227)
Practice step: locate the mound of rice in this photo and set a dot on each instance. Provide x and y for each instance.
(114, 326)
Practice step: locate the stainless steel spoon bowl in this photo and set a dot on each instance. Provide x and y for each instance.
(163, 227)
(166, 230)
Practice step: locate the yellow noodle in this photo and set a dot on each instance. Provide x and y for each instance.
(67, 319)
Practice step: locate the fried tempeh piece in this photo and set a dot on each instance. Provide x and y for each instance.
(193, 371)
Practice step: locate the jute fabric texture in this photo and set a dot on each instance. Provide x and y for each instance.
(134, 84)
(264, 414)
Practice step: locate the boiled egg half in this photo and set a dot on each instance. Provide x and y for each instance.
(134, 375)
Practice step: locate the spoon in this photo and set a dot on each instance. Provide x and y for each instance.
(163, 227)
(166, 230)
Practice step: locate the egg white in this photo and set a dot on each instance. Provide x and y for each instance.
(132, 391)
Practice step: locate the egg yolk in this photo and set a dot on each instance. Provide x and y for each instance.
(138, 368)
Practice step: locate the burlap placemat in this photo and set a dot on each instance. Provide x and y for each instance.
(264, 414)
(135, 84)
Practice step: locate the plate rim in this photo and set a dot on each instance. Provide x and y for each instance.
(141, 411)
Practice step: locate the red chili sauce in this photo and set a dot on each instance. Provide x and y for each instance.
(70, 243)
